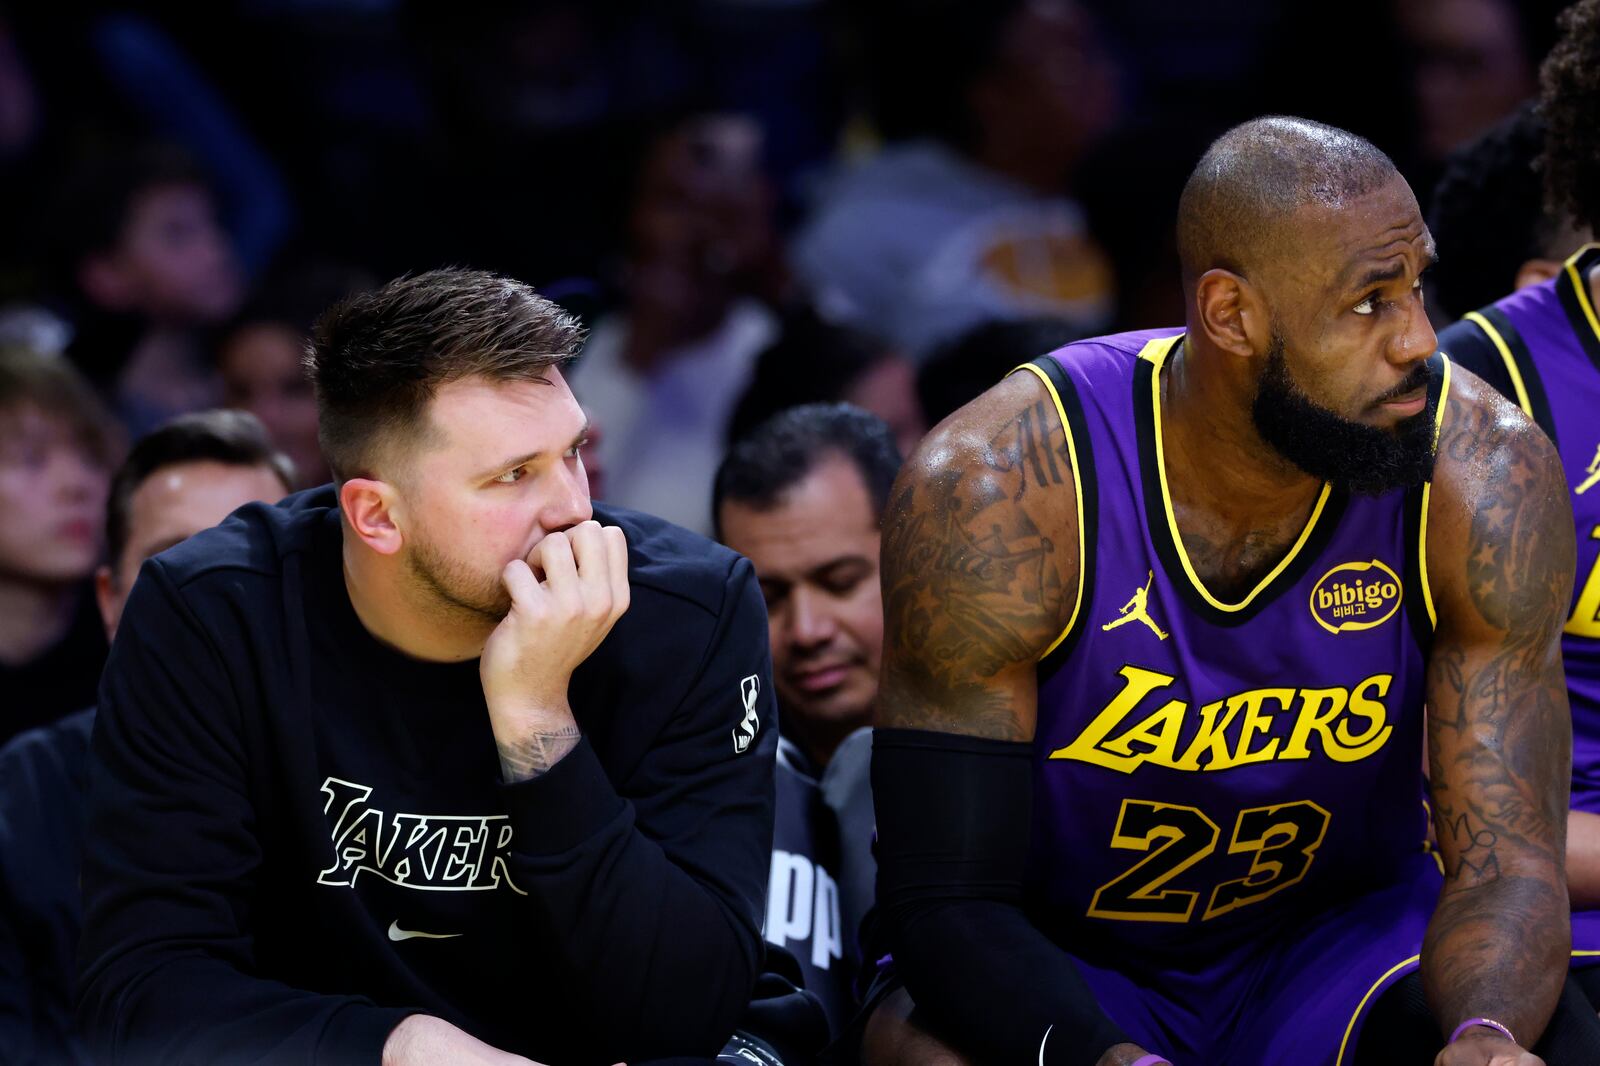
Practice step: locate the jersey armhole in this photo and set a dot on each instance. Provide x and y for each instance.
(1424, 621)
(1081, 459)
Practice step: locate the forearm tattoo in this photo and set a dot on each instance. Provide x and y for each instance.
(532, 754)
(1499, 740)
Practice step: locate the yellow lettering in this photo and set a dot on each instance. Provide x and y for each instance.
(1349, 748)
(1585, 620)
(1255, 723)
(1087, 747)
(1314, 717)
(1160, 731)
(1213, 737)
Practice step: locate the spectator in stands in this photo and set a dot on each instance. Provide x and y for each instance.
(802, 497)
(815, 361)
(154, 271)
(1473, 62)
(261, 356)
(968, 214)
(184, 477)
(1490, 222)
(663, 374)
(56, 452)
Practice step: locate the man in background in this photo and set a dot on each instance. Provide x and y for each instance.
(801, 497)
(186, 476)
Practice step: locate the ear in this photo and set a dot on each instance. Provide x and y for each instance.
(1535, 271)
(370, 508)
(1232, 314)
(105, 282)
(106, 598)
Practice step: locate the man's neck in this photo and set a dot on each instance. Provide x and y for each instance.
(1216, 461)
(394, 618)
(34, 617)
(820, 740)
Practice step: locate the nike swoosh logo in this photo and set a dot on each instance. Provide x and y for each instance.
(397, 934)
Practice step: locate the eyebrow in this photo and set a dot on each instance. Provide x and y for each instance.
(1382, 275)
(521, 460)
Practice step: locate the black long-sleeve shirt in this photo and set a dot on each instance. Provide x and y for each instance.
(297, 835)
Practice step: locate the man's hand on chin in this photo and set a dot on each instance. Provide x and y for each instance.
(558, 617)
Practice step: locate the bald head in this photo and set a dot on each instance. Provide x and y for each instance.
(1254, 180)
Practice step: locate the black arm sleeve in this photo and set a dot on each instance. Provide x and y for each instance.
(953, 814)
(655, 895)
(170, 859)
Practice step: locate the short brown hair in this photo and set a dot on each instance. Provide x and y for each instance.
(232, 438)
(49, 383)
(377, 358)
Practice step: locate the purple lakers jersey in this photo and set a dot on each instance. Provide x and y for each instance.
(1541, 347)
(1212, 772)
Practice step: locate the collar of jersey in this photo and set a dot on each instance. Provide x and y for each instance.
(1164, 521)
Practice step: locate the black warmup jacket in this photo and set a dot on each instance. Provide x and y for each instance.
(297, 836)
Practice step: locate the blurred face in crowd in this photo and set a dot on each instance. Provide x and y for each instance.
(500, 469)
(701, 222)
(1471, 70)
(816, 555)
(171, 505)
(173, 262)
(52, 499)
(262, 374)
(1343, 390)
(888, 389)
(1051, 78)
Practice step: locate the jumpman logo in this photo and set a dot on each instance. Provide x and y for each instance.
(1593, 472)
(1138, 609)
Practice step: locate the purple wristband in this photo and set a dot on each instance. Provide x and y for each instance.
(1150, 1060)
(1487, 1023)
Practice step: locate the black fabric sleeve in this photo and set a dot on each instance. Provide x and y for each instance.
(953, 833)
(17, 1008)
(170, 856)
(653, 894)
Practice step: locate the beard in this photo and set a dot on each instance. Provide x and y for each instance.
(1352, 455)
(453, 586)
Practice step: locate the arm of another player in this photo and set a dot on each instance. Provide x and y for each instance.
(1583, 859)
(977, 585)
(1500, 562)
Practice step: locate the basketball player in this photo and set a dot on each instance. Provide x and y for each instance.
(1225, 862)
(1540, 346)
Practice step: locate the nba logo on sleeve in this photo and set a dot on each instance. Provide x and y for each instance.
(749, 689)
(1355, 596)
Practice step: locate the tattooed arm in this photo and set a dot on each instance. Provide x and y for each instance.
(980, 561)
(1500, 563)
(979, 550)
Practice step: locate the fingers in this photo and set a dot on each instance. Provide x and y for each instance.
(616, 543)
(518, 579)
(557, 561)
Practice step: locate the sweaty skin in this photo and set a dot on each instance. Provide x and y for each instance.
(981, 564)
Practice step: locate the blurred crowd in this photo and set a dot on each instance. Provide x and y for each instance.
(752, 204)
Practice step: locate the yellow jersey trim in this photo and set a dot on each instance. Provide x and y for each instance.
(1350, 1028)
(1505, 357)
(1078, 605)
(1580, 287)
(1156, 352)
(1427, 496)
